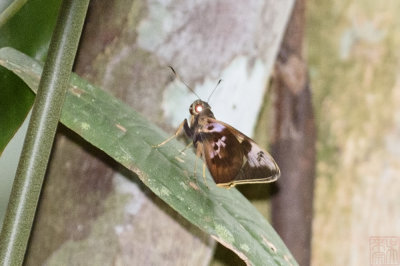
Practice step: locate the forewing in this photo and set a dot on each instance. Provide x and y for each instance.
(256, 165)
(222, 152)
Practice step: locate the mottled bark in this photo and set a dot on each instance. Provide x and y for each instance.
(354, 56)
(294, 142)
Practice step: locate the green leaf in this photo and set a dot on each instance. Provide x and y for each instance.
(29, 31)
(127, 137)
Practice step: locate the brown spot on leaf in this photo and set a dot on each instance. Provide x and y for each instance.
(122, 128)
(193, 185)
(76, 91)
(269, 244)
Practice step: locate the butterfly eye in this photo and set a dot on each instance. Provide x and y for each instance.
(199, 108)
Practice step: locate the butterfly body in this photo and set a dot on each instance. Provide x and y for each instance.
(231, 157)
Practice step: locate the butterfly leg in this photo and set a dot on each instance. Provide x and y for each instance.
(204, 175)
(195, 171)
(198, 154)
(187, 146)
(178, 131)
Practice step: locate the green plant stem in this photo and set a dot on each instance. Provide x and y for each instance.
(10, 11)
(41, 131)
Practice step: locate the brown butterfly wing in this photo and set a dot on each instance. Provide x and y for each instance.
(233, 158)
(223, 153)
(259, 166)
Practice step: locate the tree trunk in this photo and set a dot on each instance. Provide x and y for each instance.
(294, 142)
(354, 56)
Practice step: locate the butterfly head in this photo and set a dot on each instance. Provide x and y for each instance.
(198, 107)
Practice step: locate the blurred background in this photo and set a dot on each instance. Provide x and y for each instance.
(316, 83)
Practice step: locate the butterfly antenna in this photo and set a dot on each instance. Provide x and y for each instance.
(209, 97)
(187, 86)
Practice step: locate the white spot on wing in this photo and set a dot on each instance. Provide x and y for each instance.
(216, 127)
(220, 143)
(259, 158)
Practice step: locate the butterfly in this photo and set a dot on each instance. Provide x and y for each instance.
(231, 157)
